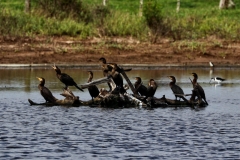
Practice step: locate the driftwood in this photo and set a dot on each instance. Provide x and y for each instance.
(127, 100)
(104, 99)
(100, 81)
(129, 82)
(70, 100)
(177, 103)
(109, 99)
(64, 102)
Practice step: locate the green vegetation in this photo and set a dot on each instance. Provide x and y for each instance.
(196, 19)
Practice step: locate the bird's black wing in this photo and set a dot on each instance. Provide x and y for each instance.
(67, 80)
(93, 91)
(201, 92)
(151, 91)
(47, 95)
(177, 90)
(142, 90)
(221, 79)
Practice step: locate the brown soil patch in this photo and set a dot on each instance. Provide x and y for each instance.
(40, 50)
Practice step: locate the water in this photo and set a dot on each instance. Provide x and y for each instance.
(39, 132)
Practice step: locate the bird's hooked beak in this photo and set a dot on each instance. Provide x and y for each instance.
(40, 79)
(54, 66)
(193, 75)
(90, 73)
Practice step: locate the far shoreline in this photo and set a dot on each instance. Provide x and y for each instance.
(135, 66)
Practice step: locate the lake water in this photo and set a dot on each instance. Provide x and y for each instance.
(39, 132)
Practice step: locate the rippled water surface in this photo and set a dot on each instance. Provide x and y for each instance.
(39, 132)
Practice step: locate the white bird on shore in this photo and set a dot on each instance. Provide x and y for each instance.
(211, 64)
(217, 79)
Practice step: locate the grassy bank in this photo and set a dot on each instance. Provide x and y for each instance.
(195, 20)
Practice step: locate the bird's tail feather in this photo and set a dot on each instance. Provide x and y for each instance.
(79, 88)
(184, 99)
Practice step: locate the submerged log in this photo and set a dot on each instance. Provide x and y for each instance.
(64, 102)
(104, 99)
(191, 103)
(123, 101)
(109, 99)
(171, 102)
(70, 100)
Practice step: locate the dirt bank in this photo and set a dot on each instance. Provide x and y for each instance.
(40, 50)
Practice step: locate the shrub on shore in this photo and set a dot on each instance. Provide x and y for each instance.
(79, 19)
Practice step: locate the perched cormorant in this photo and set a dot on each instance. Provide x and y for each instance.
(66, 79)
(45, 92)
(217, 79)
(117, 78)
(152, 87)
(177, 91)
(105, 67)
(93, 90)
(139, 87)
(198, 87)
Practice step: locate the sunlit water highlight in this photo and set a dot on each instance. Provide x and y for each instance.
(39, 132)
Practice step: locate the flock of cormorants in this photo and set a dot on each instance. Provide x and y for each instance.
(113, 70)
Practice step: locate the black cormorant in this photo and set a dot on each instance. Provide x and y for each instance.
(117, 78)
(105, 67)
(45, 92)
(152, 87)
(65, 78)
(198, 87)
(93, 90)
(139, 87)
(177, 91)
